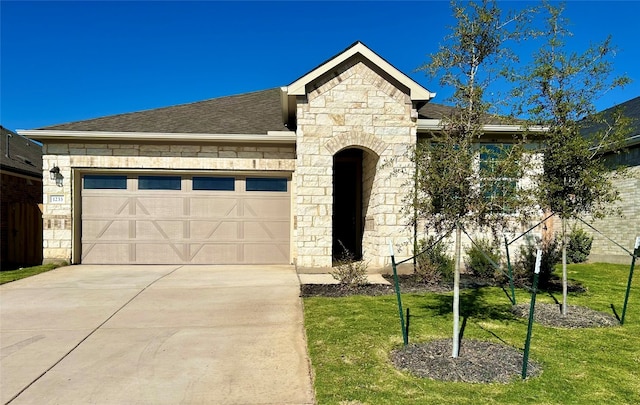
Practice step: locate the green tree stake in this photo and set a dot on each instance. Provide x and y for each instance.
(510, 269)
(527, 343)
(636, 253)
(405, 338)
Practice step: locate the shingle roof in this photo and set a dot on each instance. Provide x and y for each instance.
(249, 113)
(630, 109)
(438, 111)
(23, 155)
(435, 111)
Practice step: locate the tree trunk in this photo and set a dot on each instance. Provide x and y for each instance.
(456, 295)
(564, 267)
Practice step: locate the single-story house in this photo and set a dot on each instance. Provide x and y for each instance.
(284, 175)
(20, 200)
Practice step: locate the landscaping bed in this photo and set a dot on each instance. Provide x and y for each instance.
(479, 361)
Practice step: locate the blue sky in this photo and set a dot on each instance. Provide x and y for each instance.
(69, 61)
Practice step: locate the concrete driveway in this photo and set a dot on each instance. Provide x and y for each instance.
(154, 335)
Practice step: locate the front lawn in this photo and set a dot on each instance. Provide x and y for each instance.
(350, 340)
(13, 275)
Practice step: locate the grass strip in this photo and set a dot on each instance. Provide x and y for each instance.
(13, 275)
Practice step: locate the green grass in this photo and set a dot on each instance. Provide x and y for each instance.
(350, 340)
(13, 275)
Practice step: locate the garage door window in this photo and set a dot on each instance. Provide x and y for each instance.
(266, 184)
(159, 183)
(214, 183)
(104, 182)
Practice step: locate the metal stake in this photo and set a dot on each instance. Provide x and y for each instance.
(527, 343)
(405, 338)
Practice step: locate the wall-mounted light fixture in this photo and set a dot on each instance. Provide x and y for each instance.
(55, 174)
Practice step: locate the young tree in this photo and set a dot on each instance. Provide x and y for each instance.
(453, 190)
(560, 88)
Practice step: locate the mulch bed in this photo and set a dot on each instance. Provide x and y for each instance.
(408, 284)
(478, 362)
(576, 317)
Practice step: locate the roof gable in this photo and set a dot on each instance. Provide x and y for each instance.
(358, 49)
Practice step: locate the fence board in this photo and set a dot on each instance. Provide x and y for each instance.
(24, 237)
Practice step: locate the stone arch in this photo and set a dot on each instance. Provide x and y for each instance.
(371, 142)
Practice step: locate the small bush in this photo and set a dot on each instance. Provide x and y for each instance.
(434, 265)
(579, 246)
(477, 262)
(525, 263)
(348, 271)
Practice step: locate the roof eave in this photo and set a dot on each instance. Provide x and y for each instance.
(435, 125)
(272, 137)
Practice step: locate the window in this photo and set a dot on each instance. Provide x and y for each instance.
(159, 183)
(266, 184)
(214, 183)
(498, 193)
(104, 182)
(498, 187)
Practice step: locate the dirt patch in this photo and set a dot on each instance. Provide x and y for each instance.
(478, 362)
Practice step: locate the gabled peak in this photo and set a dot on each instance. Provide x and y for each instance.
(416, 92)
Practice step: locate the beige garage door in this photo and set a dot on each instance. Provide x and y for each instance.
(175, 219)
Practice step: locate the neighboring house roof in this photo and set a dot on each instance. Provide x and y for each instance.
(250, 113)
(631, 109)
(19, 154)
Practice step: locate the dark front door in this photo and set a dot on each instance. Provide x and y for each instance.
(347, 203)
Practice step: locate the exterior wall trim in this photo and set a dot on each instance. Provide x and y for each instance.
(282, 137)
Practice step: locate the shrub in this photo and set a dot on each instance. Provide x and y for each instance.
(579, 246)
(348, 271)
(524, 265)
(478, 263)
(433, 265)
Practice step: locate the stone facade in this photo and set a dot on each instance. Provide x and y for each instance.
(358, 108)
(74, 158)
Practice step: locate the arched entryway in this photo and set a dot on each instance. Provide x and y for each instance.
(348, 221)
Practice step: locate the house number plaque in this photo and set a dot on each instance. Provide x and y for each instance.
(56, 199)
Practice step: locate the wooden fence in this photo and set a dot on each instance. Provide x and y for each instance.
(23, 235)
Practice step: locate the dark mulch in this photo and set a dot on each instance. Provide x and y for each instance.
(408, 284)
(577, 316)
(339, 290)
(478, 362)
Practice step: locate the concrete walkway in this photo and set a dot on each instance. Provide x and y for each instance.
(154, 335)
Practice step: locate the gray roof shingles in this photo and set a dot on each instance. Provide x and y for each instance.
(630, 108)
(250, 113)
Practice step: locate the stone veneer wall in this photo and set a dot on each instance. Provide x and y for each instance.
(69, 157)
(354, 108)
(623, 229)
